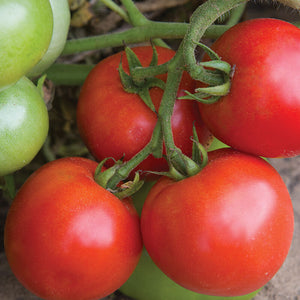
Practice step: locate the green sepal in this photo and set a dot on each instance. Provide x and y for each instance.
(127, 82)
(142, 87)
(129, 188)
(200, 97)
(219, 65)
(133, 60)
(212, 54)
(40, 85)
(145, 95)
(154, 60)
(183, 164)
(199, 153)
(218, 90)
(120, 190)
(102, 178)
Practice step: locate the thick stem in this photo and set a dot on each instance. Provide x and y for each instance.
(124, 171)
(201, 19)
(136, 18)
(139, 34)
(68, 74)
(236, 14)
(175, 70)
(116, 8)
(140, 73)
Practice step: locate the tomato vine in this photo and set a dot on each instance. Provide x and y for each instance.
(175, 77)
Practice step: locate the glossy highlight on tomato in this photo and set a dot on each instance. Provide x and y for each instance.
(225, 231)
(114, 123)
(260, 115)
(68, 238)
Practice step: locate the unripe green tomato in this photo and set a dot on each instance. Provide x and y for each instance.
(23, 125)
(61, 24)
(25, 34)
(148, 282)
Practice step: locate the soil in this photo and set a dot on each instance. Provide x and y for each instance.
(65, 140)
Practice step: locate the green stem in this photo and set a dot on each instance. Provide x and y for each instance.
(236, 14)
(175, 70)
(141, 73)
(116, 8)
(10, 187)
(68, 74)
(124, 171)
(136, 18)
(139, 34)
(201, 19)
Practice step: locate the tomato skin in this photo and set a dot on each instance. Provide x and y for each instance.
(260, 115)
(24, 124)
(225, 231)
(68, 238)
(148, 282)
(61, 24)
(25, 33)
(113, 123)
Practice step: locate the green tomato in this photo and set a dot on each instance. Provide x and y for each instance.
(25, 34)
(24, 125)
(148, 282)
(61, 24)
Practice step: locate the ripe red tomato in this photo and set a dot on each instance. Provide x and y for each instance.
(261, 113)
(66, 237)
(114, 123)
(148, 282)
(223, 232)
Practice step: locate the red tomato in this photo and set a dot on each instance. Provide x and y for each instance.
(223, 232)
(66, 237)
(261, 113)
(114, 123)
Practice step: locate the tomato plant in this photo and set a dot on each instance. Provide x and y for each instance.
(66, 237)
(25, 34)
(61, 23)
(260, 114)
(148, 282)
(23, 125)
(114, 123)
(225, 231)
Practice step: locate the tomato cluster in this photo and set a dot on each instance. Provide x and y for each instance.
(221, 233)
(27, 49)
